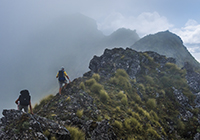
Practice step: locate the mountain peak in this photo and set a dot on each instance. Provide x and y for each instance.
(166, 43)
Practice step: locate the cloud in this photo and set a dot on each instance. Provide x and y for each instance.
(145, 23)
(190, 33)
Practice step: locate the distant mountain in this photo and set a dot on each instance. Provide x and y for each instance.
(166, 43)
(122, 37)
(125, 95)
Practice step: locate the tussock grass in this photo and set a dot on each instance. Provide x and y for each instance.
(82, 86)
(152, 133)
(118, 124)
(76, 133)
(68, 99)
(121, 94)
(124, 101)
(151, 103)
(90, 82)
(96, 88)
(96, 76)
(79, 113)
(121, 79)
(104, 96)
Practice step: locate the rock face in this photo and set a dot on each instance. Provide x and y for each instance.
(64, 110)
(127, 59)
(18, 125)
(192, 77)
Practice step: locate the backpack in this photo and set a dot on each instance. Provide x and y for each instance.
(24, 98)
(61, 76)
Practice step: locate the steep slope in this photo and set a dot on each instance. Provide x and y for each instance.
(166, 43)
(135, 95)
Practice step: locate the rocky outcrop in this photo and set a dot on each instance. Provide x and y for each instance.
(127, 59)
(193, 78)
(64, 109)
(18, 125)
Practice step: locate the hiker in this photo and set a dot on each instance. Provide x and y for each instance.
(61, 79)
(24, 101)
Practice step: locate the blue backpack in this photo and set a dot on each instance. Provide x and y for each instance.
(61, 76)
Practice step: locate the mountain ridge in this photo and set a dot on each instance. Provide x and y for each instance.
(166, 43)
(126, 95)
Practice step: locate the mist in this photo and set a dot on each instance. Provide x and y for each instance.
(31, 57)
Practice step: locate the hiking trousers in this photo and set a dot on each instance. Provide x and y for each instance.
(25, 107)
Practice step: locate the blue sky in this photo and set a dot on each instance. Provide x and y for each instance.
(21, 18)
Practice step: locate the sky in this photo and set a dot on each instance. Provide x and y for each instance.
(20, 18)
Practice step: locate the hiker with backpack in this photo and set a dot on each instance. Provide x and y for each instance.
(24, 101)
(61, 79)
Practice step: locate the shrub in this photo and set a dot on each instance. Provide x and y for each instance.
(121, 78)
(124, 101)
(149, 79)
(132, 123)
(53, 138)
(68, 99)
(152, 133)
(118, 124)
(121, 94)
(131, 138)
(154, 115)
(103, 96)
(142, 112)
(96, 88)
(82, 86)
(136, 116)
(118, 109)
(151, 103)
(129, 111)
(121, 72)
(172, 67)
(124, 83)
(79, 113)
(106, 117)
(76, 133)
(96, 76)
(137, 98)
(180, 125)
(166, 81)
(90, 82)
(141, 88)
(46, 133)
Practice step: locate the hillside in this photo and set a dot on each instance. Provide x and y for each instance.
(168, 44)
(125, 95)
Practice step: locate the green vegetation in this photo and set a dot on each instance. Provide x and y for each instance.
(76, 133)
(82, 86)
(79, 113)
(68, 99)
(151, 103)
(104, 96)
(96, 76)
(137, 109)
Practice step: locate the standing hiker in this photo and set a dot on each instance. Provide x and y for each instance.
(61, 79)
(24, 101)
